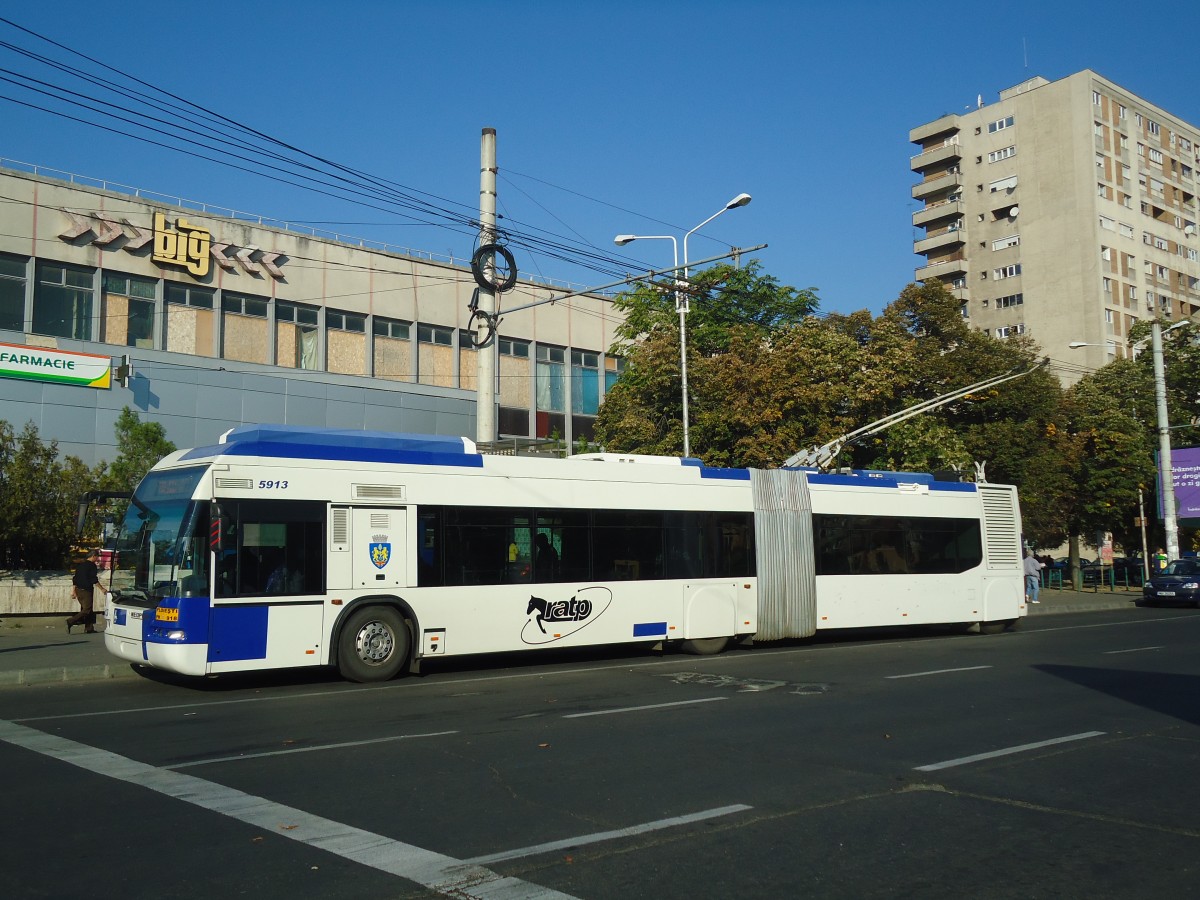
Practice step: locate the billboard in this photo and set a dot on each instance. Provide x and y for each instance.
(1185, 475)
(39, 364)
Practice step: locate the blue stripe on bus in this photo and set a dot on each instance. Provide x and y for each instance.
(728, 474)
(650, 629)
(891, 480)
(340, 454)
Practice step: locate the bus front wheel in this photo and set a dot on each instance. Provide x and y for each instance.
(374, 645)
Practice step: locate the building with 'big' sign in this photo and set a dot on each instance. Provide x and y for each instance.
(212, 320)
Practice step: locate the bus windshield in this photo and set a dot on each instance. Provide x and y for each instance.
(162, 548)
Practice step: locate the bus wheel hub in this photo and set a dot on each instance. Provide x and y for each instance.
(374, 643)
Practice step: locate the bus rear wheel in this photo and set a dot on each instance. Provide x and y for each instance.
(374, 645)
(704, 646)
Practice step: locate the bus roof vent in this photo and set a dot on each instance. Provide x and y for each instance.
(378, 492)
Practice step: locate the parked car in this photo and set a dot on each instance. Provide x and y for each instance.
(1178, 584)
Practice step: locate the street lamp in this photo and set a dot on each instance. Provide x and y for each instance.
(1165, 471)
(681, 297)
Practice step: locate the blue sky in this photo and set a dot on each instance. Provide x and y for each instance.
(616, 117)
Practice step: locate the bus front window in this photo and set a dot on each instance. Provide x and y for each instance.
(162, 549)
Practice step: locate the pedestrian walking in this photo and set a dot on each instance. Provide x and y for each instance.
(1033, 577)
(83, 585)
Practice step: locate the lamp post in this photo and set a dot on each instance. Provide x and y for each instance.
(682, 305)
(1166, 480)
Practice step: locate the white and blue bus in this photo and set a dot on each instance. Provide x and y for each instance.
(284, 547)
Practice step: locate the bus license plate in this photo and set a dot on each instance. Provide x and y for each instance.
(163, 614)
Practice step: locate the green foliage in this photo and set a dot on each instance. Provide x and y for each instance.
(140, 445)
(38, 499)
(39, 492)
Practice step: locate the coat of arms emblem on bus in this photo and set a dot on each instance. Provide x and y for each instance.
(381, 550)
(552, 620)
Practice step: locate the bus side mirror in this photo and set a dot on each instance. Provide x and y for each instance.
(216, 528)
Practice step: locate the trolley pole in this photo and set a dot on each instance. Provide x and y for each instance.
(485, 357)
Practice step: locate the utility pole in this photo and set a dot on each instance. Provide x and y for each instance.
(485, 356)
(1166, 475)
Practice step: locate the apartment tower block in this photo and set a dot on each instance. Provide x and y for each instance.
(1066, 211)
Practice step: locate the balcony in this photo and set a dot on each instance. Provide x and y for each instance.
(945, 270)
(948, 237)
(936, 155)
(931, 186)
(945, 125)
(945, 209)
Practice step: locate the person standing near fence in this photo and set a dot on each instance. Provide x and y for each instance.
(1033, 577)
(83, 585)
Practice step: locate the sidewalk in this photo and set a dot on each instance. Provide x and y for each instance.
(38, 650)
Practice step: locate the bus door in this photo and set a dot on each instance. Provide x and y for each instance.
(379, 545)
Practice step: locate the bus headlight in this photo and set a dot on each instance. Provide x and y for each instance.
(177, 635)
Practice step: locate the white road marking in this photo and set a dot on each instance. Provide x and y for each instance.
(937, 672)
(440, 873)
(290, 750)
(625, 709)
(962, 761)
(608, 835)
(1132, 650)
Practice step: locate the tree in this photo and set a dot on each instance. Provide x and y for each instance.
(140, 445)
(38, 499)
(722, 297)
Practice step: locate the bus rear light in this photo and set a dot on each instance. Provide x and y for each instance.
(177, 635)
(309, 652)
(336, 601)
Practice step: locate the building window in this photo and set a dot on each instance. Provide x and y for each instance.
(1096, 98)
(296, 338)
(1009, 330)
(1004, 243)
(1152, 127)
(62, 301)
(1009, 300)
(1156, 156)
(343, 321)
(1106, 253)
(1000, 124)
(509, 347)
(393, 349)
(551, 384)
(1098, 129)
(245, 334)
(295, 313)
(243, 305)
(128, 310)
(391, 328)
(1108, 224)
(1007, 271)
(1004, 184)
(12, 292)
(433, 334)
(615, 365)
(1107, 285)
(1121, 112)
(585, 382)
(997, 155)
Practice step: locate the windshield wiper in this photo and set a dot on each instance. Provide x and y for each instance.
(133, 595)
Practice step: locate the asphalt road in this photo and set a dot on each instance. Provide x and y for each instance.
(1055, 761)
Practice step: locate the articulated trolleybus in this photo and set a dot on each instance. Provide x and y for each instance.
(285, 547)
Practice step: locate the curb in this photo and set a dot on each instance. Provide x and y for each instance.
(1044, 609)
(60, 674)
